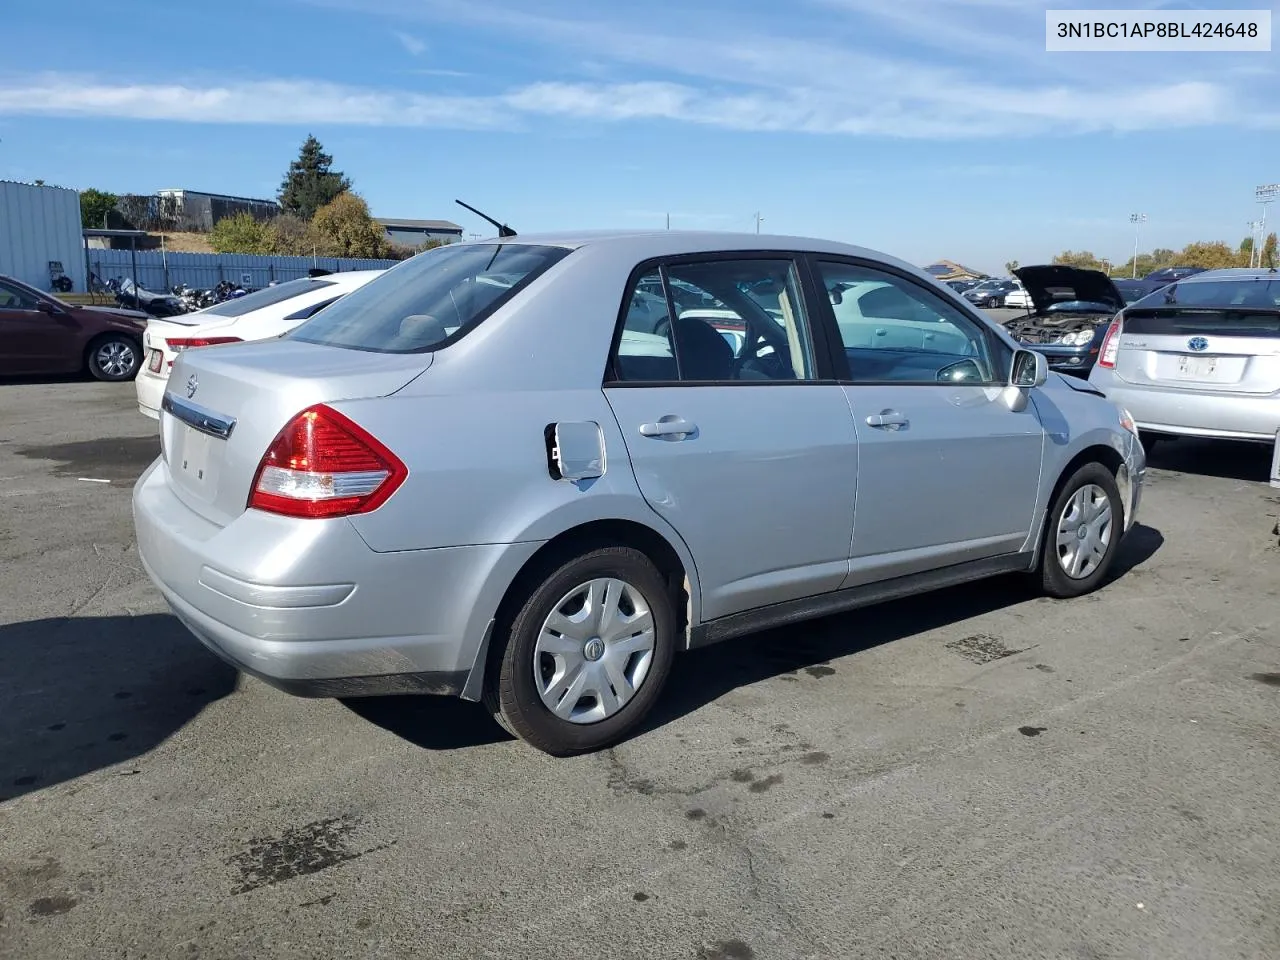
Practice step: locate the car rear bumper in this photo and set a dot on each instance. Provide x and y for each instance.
(150, 388)
(1211, 415)
(308, 607)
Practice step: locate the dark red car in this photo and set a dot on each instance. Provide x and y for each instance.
(40, 334)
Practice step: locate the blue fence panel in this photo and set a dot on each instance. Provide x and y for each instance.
(163, 271)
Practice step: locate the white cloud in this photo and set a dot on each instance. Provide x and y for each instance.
(411, 43)
(887, 105)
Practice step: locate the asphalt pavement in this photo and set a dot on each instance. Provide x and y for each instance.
(972, 774)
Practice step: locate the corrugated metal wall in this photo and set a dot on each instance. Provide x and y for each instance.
(39, 224)
(163, 271)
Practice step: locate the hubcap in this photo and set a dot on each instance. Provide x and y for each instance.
(594, 650)
(115, 359)
(1084, 531)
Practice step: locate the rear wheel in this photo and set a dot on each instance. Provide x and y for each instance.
(1085, 524)
(115, 357)
(587, 653)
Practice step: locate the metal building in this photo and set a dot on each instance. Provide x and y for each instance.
(40, 234)
(196, 210)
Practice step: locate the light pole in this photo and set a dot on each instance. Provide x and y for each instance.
(1137, 219)
(1264, 194)
(758, 221)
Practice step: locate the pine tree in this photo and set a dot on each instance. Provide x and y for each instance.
(310, 183)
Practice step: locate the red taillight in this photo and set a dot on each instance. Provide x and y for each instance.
(322, 464)
(183, 343)
(1110, 344)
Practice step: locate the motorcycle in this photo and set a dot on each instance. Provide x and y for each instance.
(133, 297)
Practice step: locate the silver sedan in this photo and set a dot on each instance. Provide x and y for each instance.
(530, 471)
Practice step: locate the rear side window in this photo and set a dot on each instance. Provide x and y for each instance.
(432, 300)
(265, 297)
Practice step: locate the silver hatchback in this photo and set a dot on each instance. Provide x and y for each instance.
(1200, 358)
(532, 470)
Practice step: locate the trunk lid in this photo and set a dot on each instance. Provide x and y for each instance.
(1201, 350)
(225, 404)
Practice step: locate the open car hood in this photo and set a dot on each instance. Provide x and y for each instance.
(1048, 284)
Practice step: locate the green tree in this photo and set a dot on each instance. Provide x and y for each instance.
(345, 229)
(292, 236)
(1269, 257)
(241, 233)
(311, 182)
(1209, 254)
(94, 207)
(1083, 258)
(1011, 266)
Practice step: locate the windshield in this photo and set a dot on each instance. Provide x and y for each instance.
(265, 297)
(432, 299)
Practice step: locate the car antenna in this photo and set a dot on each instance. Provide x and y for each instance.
(503, 229)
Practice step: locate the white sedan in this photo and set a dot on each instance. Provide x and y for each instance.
(261, 315)
(1018, 299)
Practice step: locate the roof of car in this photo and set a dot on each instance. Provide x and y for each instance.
(1234, 273)
(691, 241)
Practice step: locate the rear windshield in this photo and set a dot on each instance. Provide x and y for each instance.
(431, 300)
(265, 297)
(1260, 293)
(1188, 322)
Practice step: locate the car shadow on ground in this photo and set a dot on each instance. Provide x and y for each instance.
(83, 693)
(433, 723)
(702, 676)
(1226, 459)
(705, 675)
(31, 380)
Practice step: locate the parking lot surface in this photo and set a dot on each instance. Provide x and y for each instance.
(975, 773)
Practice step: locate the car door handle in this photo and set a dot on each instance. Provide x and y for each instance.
(674, 427)
(888, 419)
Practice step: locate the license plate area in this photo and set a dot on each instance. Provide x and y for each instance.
(156, 360)
(1196, 368)
(193, 460)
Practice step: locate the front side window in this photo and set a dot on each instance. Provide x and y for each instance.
(896, 331)
(429, 301)
(15, 298)
(717, 321)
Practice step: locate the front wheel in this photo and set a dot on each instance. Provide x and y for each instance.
(114, 358)
(1085, 524)
(587, 653)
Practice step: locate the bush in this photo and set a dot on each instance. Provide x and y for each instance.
(241, 233)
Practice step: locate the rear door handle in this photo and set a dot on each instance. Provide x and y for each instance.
(888, 419)
(671, 427)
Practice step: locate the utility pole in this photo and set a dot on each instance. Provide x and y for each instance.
(1255, 228)
(668, 221)
(758, 221)
(1264, 195)
(1137, 219)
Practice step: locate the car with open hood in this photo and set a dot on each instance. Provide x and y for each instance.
(1070, 310)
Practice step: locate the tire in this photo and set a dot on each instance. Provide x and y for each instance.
(1062, 575)
(535, 665)
(992, 303)
(115, 358)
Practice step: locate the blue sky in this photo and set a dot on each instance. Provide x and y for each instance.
(925, 128)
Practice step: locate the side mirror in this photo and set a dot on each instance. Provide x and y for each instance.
(44, 306)
(1030, 369)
